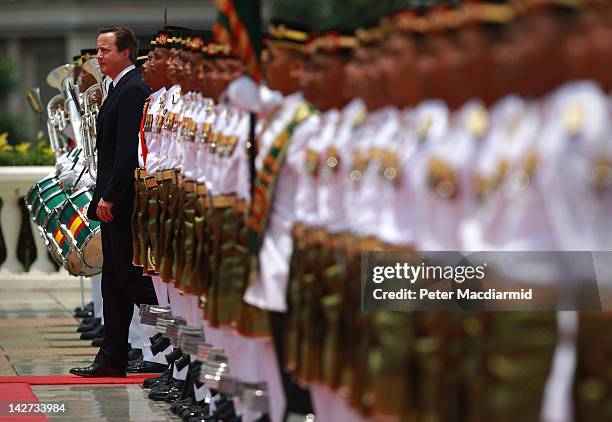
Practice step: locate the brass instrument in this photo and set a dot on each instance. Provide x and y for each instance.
(58, 116)
(33, 97)
(91, 102)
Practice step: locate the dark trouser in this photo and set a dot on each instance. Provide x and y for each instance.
(298, 398)
(123, 285)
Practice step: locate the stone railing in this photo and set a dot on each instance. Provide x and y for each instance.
(18, 231)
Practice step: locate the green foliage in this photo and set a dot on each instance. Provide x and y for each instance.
(24, 154)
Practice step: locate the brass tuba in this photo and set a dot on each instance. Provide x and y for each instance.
(91, 102)
(59, 119)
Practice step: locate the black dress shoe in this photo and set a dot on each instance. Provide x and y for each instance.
(155, 381)
(175, 406)
(90, 326)
(134, 362)
(88, 320)
(90, 335)
(145, 367)
(134, 355)
(83, 314)
(162, 392)
(195, 411)
(98, 370)
(87, 307)
(97, 342)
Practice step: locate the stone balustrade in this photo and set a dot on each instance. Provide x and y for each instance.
(14, 184)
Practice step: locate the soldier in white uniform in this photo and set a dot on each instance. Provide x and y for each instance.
(155, 75)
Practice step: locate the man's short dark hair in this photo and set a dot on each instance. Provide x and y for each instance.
(124, 38)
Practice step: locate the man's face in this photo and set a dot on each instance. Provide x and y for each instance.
(397, 64)
(191, 70)
(448, 80)
(323, 81)
(206, 78)
(172, 66)
(145, 70)
(181, 64)
(356, 81)
(282, 68)
(111, 61)
(228, 69)
(187, 61)
(155, 69)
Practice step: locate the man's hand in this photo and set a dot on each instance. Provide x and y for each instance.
(104, 211)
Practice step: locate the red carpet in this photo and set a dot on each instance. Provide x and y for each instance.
(17, 392)
(73, 379)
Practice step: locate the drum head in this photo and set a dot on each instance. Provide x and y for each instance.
(73, 263)
(92, 251)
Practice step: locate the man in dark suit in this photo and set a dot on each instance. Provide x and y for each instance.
(123, 284)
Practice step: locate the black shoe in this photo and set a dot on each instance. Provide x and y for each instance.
(162, 392)
(98, 370)
(134, 355)
(88, 320)
(83, 314)
(177, 405)
(97, 342)
(199, 409)
(87, 307)
(90, 335)
(155, 381)
(134, 362)
(144, 367)
(90, 326)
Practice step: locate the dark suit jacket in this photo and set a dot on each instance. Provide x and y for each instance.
(117, 143)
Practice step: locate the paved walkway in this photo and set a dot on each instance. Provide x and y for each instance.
(38, 337)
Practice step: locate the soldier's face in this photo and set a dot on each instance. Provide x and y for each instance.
(356, 82)
(111, 61)
(183, 57)
(474, 44)
(323, 81)
(194, 65)
(448, 79)
(186, 70)
(145, 69)
(282, 68)
(172, 66)
(157, 68)
(398, 67)
(508, 60)
(206, 77)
